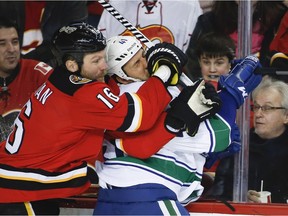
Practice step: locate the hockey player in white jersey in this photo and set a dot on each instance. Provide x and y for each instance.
(171, 177)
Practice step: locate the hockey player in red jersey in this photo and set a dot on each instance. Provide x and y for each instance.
(18, 77)
(61, 126)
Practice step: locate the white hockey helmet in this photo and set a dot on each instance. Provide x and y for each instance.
(119, 50)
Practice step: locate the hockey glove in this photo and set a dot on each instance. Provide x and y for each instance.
(193, 105)
(241, 80)
(173, 124)
(169, 55)
(232, 149)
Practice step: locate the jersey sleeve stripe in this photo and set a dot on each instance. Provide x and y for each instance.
(32, 179)
(119, 145)
(134, 114)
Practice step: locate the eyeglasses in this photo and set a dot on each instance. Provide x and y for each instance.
(265, 108)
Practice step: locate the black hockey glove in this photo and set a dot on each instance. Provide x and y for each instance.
(169, 55)
(193, 105)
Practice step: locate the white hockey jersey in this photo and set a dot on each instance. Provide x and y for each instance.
(178, 165)
(171, 21)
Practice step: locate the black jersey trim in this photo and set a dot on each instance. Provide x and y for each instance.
(24, 182)
(60, 79)
(130, 114)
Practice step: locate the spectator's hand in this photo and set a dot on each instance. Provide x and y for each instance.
(241, 80)
(193, 105)
(253, 196)
(169, 55)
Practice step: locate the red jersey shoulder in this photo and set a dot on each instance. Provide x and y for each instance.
(41, 67)
(99, 93)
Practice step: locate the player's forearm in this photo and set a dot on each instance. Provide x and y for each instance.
(154, 98)
(144, 144)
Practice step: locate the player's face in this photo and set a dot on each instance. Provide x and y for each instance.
(94, 66)
(136, 67)
(212, 68)
(270, 123)
(9, 50)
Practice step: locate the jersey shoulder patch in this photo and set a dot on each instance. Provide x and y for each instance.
(43, 68)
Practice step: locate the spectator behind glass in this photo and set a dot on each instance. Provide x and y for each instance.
(38, 20)
(18, 77)
(215, 53)
(95, 10)
(223, 18)
(159, 20)
(206, 5)
(268, 147)
(280, 41)
(279, 48)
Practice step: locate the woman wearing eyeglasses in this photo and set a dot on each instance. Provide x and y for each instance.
(268, 147)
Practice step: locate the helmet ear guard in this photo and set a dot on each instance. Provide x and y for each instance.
(119, 50)
(76, 40)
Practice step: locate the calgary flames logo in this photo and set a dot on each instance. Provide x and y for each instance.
(156, 33)
(78, 80)
(6, 123)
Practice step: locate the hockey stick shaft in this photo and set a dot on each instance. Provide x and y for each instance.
(271, 71)
(137, 33)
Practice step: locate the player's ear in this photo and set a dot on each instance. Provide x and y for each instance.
(72, 65)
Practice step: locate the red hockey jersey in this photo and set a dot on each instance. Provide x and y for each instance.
(26, 78)
(61, 127)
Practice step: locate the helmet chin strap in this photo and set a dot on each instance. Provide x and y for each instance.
(128, 78)
(134, 79)
(125, 80)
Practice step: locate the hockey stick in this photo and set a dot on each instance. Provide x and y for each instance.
(138, 34)
(271, 71)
